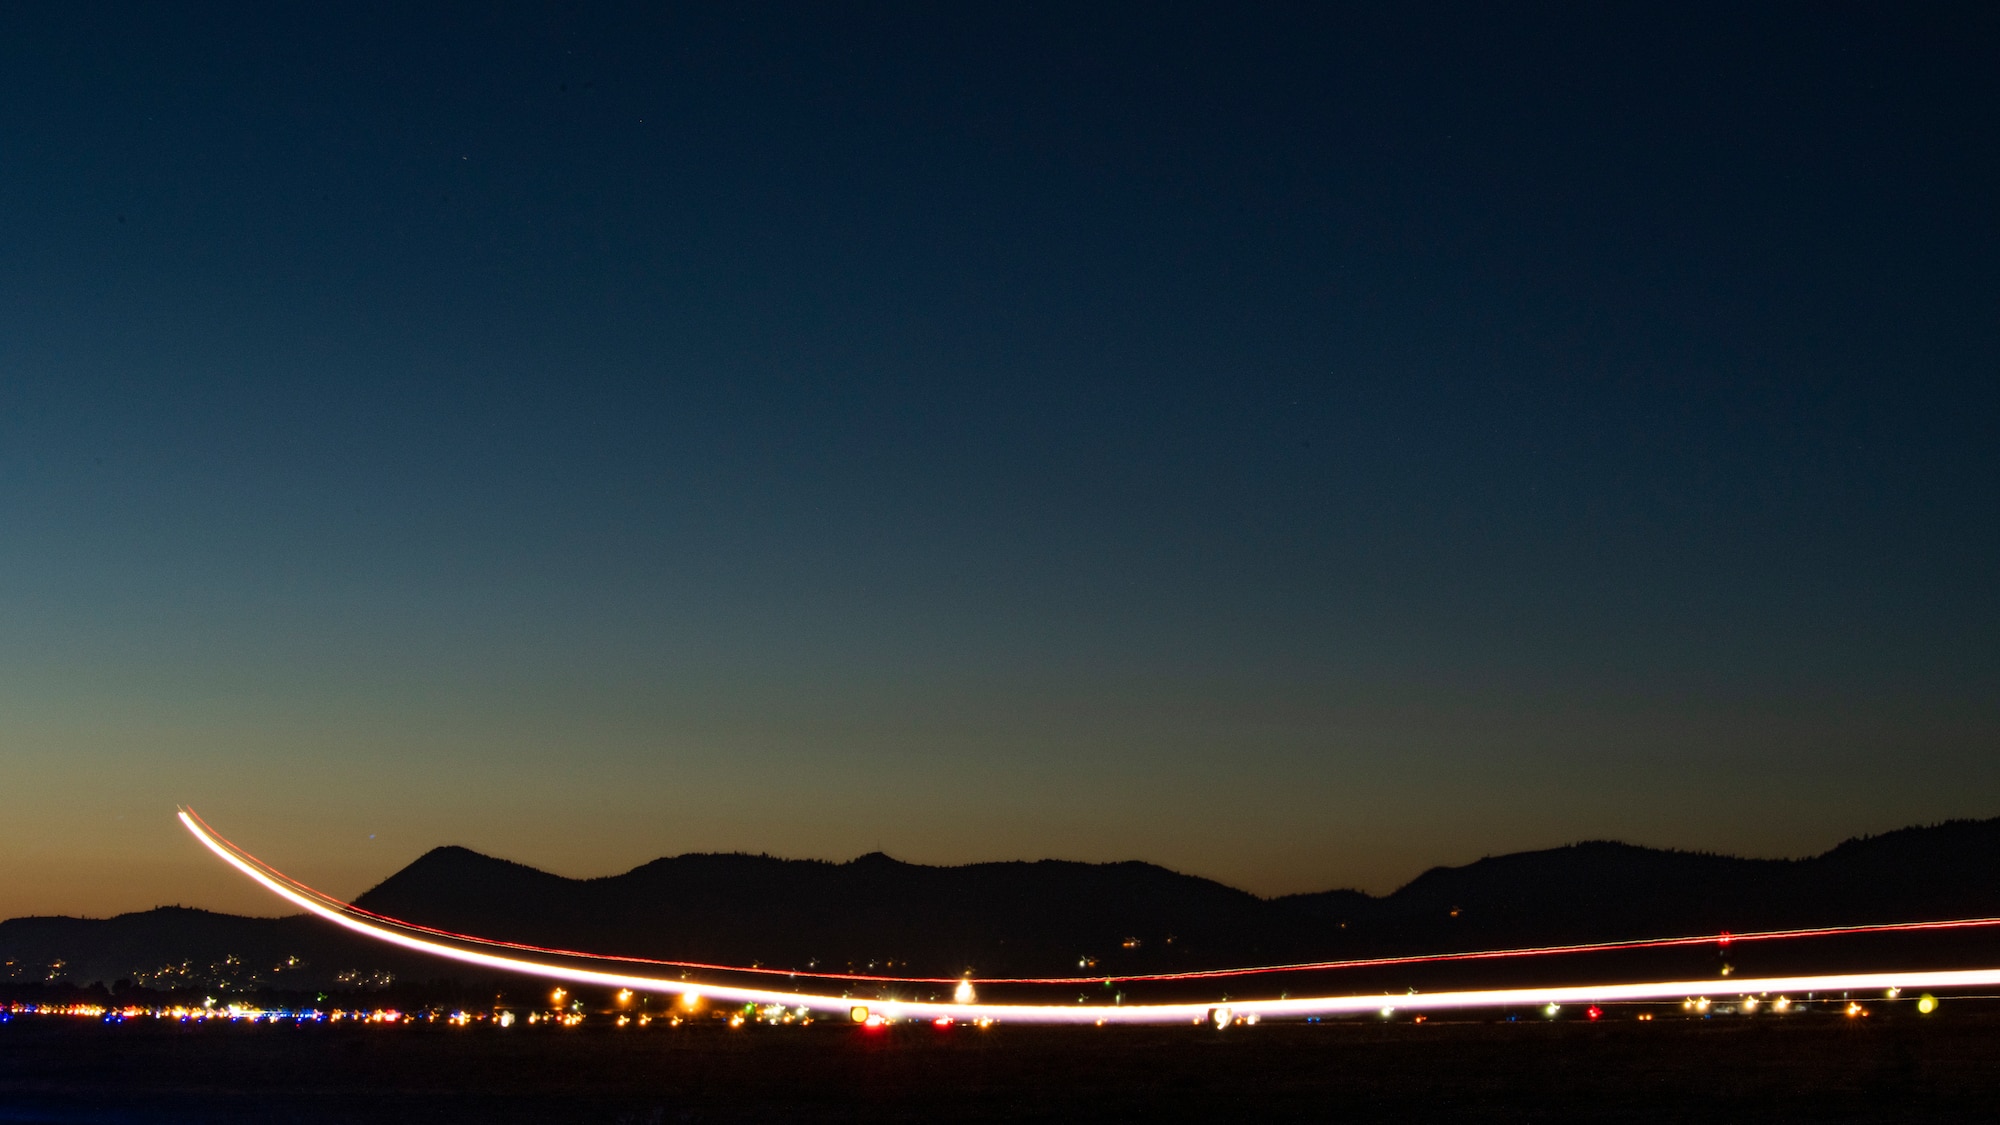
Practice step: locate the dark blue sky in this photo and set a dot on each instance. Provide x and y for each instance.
(1297, 445)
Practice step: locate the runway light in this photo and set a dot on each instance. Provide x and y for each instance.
(1552, 1009)
(858, 1013)
(1782, 1004)
(1749, 1004)
(624, 996)
(1927, 1003)
(1594, 1011)
(963, 994)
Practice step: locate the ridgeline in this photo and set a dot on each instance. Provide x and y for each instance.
(878, 914)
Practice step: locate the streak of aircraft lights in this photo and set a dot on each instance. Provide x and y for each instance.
(1181, 1012)
(1724, 938)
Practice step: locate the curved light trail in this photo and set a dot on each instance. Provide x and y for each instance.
(1722, 939)
(398, 933)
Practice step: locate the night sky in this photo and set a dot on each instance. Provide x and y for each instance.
(1297, 445)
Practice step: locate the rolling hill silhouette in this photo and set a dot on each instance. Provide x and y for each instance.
(1047, 917)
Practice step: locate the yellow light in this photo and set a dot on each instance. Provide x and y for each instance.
(1927, 1003)
(859, 1013)
(624, 996)
(556, 997)
(963, 993)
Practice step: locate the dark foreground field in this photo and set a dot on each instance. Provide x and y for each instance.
(1821, 1069)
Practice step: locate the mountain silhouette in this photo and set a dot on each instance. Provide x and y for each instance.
(873, 911)
(1049, 917)
(1606, 891)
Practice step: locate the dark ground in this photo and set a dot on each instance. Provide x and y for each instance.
(1821, 1068)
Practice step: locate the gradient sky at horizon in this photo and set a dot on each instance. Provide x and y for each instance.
(1296, 445)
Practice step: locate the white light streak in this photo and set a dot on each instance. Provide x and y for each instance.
(1295, 1007)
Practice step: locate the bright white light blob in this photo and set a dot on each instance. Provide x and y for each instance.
(1298, 1006)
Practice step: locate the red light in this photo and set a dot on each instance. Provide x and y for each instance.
(941, 1023)
(1594, 1011)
